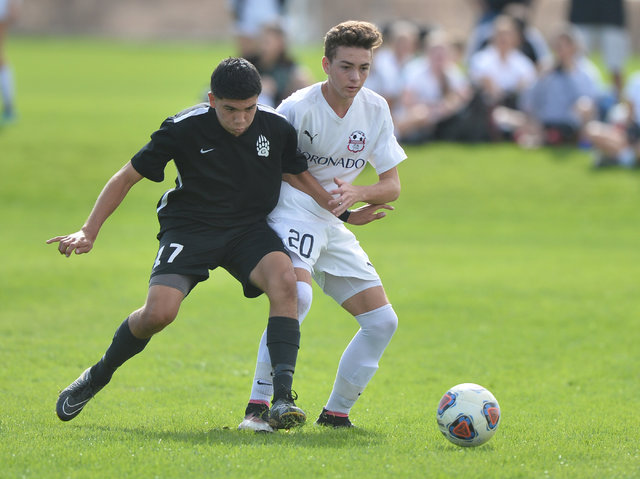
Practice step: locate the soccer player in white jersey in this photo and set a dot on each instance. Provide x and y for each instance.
(341, 127)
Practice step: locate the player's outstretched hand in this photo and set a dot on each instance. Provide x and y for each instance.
(77, 242)
(368, 213)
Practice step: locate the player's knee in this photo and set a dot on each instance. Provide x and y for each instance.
(389, 325)
(288, 284)
(381, 323)
(155, 318)
(282, 287)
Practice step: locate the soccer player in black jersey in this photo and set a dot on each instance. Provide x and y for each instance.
(230, 156)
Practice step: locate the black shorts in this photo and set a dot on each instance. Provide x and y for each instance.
(194, 252)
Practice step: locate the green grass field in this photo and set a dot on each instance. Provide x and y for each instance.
(517, 270)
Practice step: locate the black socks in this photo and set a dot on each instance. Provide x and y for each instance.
(124, 346)
(283, 341)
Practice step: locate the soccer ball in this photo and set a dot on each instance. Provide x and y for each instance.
(468, 415)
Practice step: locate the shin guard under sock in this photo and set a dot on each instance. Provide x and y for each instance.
(283, 341)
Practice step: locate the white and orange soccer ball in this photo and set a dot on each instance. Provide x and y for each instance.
(468, 415)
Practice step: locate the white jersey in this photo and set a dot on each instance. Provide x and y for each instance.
(334, 147)
(338, 147)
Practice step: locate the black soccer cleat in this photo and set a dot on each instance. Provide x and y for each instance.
(285, 414)
(75, 397)
(256, 418)
(331, 420)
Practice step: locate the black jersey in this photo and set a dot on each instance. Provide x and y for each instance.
(223, 181)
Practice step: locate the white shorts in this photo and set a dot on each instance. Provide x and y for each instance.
(329, 251)
(613, 43)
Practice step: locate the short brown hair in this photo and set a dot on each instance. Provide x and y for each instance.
(352, 33)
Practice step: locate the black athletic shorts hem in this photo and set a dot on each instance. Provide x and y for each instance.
(196, 251)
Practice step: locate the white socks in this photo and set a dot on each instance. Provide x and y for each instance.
(359, 361)
(262, 389)
(358, 364)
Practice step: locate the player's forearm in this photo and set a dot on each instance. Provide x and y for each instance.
(386, 190)
(109, 199)
(380, 193)
(306, 183)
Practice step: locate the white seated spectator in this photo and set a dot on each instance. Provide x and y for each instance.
(500, 70)
(436, 90)
(531, 42)
(387, 72)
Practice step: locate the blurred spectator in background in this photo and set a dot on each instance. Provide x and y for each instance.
(8, 13)
(249, 18)
(500, 71)
(281, 74)
(531, 42)
(458, 47)
(617, 141)
(492, 8)
(387, 72)
(435, 92)
(602, 25)
(552, 110)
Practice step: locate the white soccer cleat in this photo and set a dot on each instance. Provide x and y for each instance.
(256, 418)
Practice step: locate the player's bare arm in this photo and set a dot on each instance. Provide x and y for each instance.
(386, 190)
(109, 199)
(306, 183)
(368, 213)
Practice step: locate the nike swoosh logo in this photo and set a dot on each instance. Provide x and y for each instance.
(203, 151)
(73, 408)
(262, 383)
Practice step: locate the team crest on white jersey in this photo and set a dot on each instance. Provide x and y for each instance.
(357, 140)
(262, 145)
